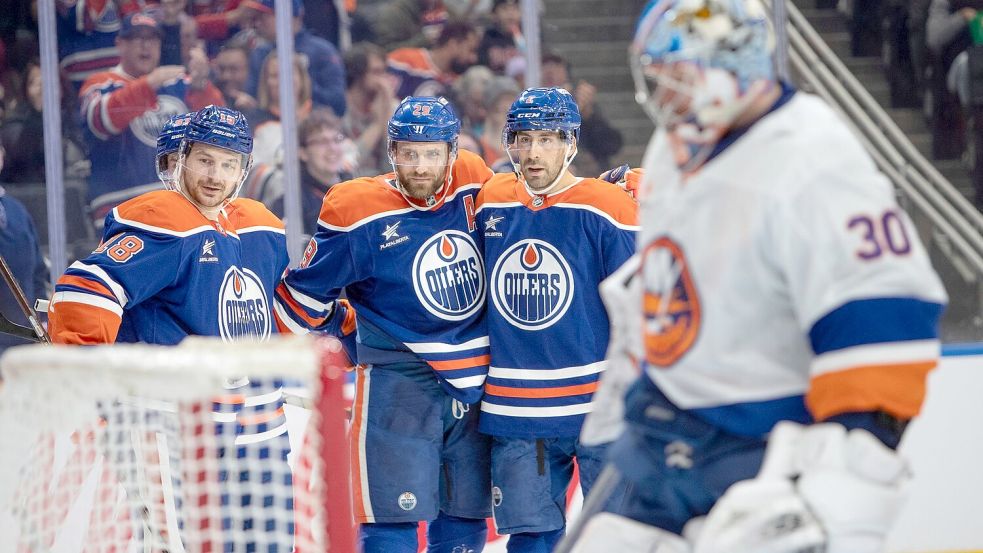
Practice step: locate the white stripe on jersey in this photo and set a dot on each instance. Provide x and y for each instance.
(363, 475)
(260, 228)
(287, 321)
(536, 412)
(88, 299)
(161, 230)
(500, 204)
(467, 381)
(102, 275)
(309, 302)
(547, 374)
(438, 347)
(244, 439)
(366, 220)
(602, 213)
(890, 353)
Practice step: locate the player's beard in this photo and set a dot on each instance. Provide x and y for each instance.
(549, 170)
(420, 185)
(207, 192)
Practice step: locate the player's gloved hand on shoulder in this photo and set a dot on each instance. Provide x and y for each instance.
(625, 177)
(821, 488)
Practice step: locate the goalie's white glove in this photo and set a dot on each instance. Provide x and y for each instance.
(821, 488)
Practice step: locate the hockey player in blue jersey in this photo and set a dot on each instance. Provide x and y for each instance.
(194, 240)
(550, 238)
(785, 312)
(405, 247)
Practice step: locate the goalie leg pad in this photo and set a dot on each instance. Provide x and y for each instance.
(608, 532)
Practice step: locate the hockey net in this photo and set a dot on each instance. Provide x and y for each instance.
(200, 447)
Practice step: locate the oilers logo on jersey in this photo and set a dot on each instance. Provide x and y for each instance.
(671, 306)
(448, 276)
(242, 308)
(532, 285)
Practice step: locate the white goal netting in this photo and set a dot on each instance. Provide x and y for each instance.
(202, 447)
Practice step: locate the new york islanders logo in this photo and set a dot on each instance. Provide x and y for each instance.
(449, 276)
(242, 307)
(532, 285)
(671, 306)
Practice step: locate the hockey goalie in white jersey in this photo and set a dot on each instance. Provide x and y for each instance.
(789, 313)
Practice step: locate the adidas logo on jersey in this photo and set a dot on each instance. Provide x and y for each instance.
(491, 226)
(207, 252)
(392, 236)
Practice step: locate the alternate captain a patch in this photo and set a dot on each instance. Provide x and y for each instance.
(671, 305)
(532, 285)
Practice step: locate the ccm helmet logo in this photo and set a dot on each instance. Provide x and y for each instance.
(527, 116)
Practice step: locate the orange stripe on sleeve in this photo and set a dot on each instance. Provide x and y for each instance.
(896, 389)
(86, 284)
(561, 391)
(282, 293)
(81, 324)
(455, 364)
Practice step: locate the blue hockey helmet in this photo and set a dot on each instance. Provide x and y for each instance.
(722, 50)
(424, 119)
(222, 127)
(543, 109)
(169, 142)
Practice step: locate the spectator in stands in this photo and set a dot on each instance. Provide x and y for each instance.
(20, 247)
(503, 38)
(408, 23)
(22, 132)
(371, 102)
(428, 72)
(265, 120)
(326, 158)
(179, 30)
(230, 73)
(327, 19)
(327, 74)
(469, 98)
(87, 35)
(218, 19)
(124, 108)
(597, 137)
(499, 95)
(948, 36)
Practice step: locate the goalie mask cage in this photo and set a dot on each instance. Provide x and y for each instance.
(138, 448)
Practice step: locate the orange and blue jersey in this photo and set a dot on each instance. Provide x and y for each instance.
(416, 74)
(164, 272)
(414, 275)
(545, 256)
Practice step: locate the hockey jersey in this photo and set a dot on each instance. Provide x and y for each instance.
(415, 277)
(122, 116)
(781, 281)
(164, 272)
(544, 259)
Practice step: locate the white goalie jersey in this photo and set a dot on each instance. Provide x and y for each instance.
(781, 281)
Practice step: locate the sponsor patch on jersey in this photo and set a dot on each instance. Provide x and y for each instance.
(392, 236)
(491, 226)
(671, 306)
(449, 275)
(532, 285)
(242, 306)
(208, 252)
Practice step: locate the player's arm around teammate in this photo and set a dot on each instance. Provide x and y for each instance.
(550, 238)
(405, 248)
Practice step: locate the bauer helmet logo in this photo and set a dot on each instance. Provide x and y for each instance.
(670, 304)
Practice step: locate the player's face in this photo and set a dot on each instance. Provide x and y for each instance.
(540, 155)
(211, 174)
(421, 167)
